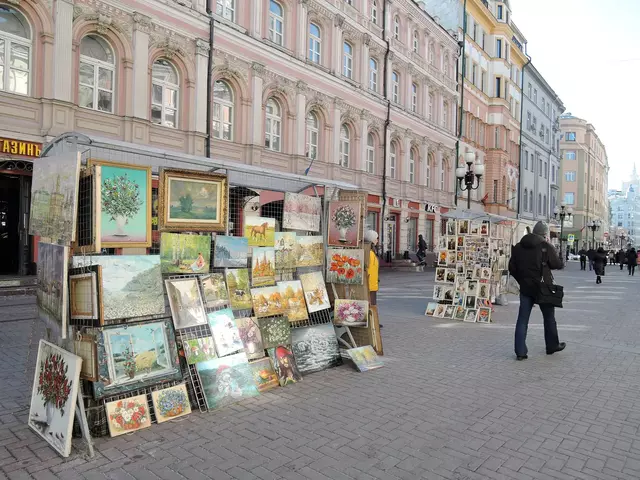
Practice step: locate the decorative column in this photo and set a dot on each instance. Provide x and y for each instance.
(301, 47)
(365, 118)
(301, 118)
(366, 41)
(202, 63)
(338, 22)
(404, 172)
(388, 161)
(391, 58)
(440, 171)
(337, 104)
(142, 24)
(63, 49)
(424, 163)
(256, 21)
(389, 19)
(258, 72)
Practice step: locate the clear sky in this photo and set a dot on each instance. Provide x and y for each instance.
(589, 52)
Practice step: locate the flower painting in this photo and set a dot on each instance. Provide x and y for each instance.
(185, 300)
(315, 291)
(214, 290)
(286, 244)
(230, 252)
(309, 251)
(354, 313)
(225, 333)
(260, 231)
(345, 266)
(251, 337)
(53, 398)
(263, 269)
(226, 380)
(264, 375)
(267, 301)
(365, 358)
(199, 350)
(344, 224)
(275, 331)
(284, 364)
(315, 348)
(294, 301)
(301, 212)
(186, 254)
(128, 415)
(170, 403)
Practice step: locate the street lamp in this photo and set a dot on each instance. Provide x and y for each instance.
(562, 213)
(594, 226)
(621, 238)
(469, 178)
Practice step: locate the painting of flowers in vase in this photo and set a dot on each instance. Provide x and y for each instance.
(128, 415)
(351, 313)
(170, 403)
(344, 224)
(345, 266)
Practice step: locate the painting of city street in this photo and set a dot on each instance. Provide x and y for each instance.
(230, 252)
(52, 287)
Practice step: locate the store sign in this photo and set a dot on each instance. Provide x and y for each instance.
(18, 147)
(431, 208)
(571, 238)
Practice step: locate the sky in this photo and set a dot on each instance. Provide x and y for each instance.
(589, 52)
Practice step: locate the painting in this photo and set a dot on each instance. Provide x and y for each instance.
(471, 301)
(214, 290)
(128, 415)
(225, 333)
(293, 297)
(485, 273)
(85, 346)
(267, 301)
(199, 350)
(365, 358)
(170, 403)
(484, 229)
(275, 331)
(442, 258)
(351, 313)
(315, 291)
(344, 224)
(345, 266)
(192, 201)
(451, 243)
(182, 253)
(440, 311)
(238, 286)
(440, 274)
(431, 308)
(315, 348)
(309, 251)
(85, 296)
(459, 299)
(451, 227)
(230, 252)
(131, 284)
(450, 275)
(260, 231)
(263, 266)
(285, 250)
(125, 219)
(185, 301)
(226, 380)
(471, 287)
(251, 337)
(51, 293)
(460, 313)
(484, 315)
(264, 375)
(284, 364)
(449, 311)
(54, 394)
(448, 293)
(471, 315)
(463, 227)
(134, 356)
(438, 292)
(54, 198)
(483, 290)
(301, 212)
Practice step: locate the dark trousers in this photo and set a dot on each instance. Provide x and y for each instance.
(621, 265)
(583, 264)
(591, 265)
(632, 269)
(522, 325)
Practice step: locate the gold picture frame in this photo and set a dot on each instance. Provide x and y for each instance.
(190, 221)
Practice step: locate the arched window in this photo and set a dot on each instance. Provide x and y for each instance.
(531, 201)
(374, 11)
(226, 9)
(429, 163)
(416, 42)
(392, 160)
(315, 43)
(164, 94)
(371, 153)
(442, 174)
(347, 60)
(222, 110)
(412, 166)
(431, 99)
(15, 51)
(273, 126)
(276, 23)
(97, 72)
(373, 75)
(414, 97)
(395, 86)
(525, 205)
(396, 28)
(432, 54)
(345, 145)
(313, 127)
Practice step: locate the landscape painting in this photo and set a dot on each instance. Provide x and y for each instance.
(238, 286)
(310, 251)
(251, 337)
(127, 415)
(275, 331)
(315, 348)
(185, 301)
(365, 358)
(260, 231)
(285, 250)
(51, 293)
(301, 212)
(293, 297)
(344, 224)
(263, 266)
(284, 364)
(267, 301)
(187, 254)
(214, 290)
(170, 403)
(199, 350)
(225, 333)
(264, 375)
(315, 291)
(85, 296)
(230, 252)
(345, 266)
(226, 380)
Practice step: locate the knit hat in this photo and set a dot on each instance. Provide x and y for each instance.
(541, 229)
(371, 236)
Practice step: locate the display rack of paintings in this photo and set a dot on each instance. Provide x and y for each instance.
(88, 236)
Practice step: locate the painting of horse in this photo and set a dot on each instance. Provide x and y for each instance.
(260, 231)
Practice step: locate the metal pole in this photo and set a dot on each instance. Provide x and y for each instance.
(468, 198)
(461, 110)
(562, 237)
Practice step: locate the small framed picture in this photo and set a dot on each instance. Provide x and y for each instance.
(472, 287)
(471, 315)
(450, 275)
(460, 283)
(448, 294)
(451, 227)
(460, 256)
(441, 274)
(463, 227)
(451, 259)
(484, 315)
(451, 243)
(471, 301)
(485, 273)
(448, 312)
(460, 313)
(443, 255)
(460, 242)
(484, 290)
(438, 292)
(460, 269)
(477, 273)
(440, 311)
(459, 299)
(431, 309)
(442, 243)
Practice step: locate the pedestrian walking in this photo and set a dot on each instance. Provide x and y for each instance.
(422, 249)
(532, 260)
(621, 258)
(599, 262)
(612, 257)
(583, 258)
(590, 254)
(632, 261)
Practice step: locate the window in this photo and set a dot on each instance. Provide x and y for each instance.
(546, 175)
(396, 28)
(412, 166)
(374, 11)
(526, 160)
(97, 72)
(226, 9)
(443, 170)
(483, 39)
(544, 205)
(347, 63)
(533, 164)
(429, 163)
(373, 75)
(315, 43)
(345, 145)
(499, 48)
(313, 128)
(546, 135)
(276, 23)
(273, 126)
(432, 53)
(222, 111)
(525, 200)
(529, 90)
(570, 176)
(164, 94)
(498, 92)
(416, 42)
(483, 80)
(430, 112)
(539, 204)
(569, 198)
(543, 103)
(371, 153)
(414, 98)
(548, 108)
(553, 173)
(531, 201)
(392, 160)
(445, 114)
(540, 167)
(570, 155)
(395, 82)
(445, 67)
(528, 120)
(15, 51)
(475, 32)
(535, 96)
(570, 136)
(500, 13)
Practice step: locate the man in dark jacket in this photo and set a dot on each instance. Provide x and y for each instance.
(526, 267)
(590, 254)
(583, 258)
(632, 261)
(622, 256)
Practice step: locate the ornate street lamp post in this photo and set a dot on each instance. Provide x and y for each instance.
(562, 213)
(469, 178)
(594, 226)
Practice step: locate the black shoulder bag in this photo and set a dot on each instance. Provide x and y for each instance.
(548, 292)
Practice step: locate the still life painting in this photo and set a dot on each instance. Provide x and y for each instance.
(185, 301)
(294, 301)
(263, 268)
(351, 313)
(251, 337)
(52, 289)
(199, 350)
(238, 286)
(315, 291)
(230, 252)
(186, 254)
(260, 231)
(85, 296)
(365, 358)
(315, 348)
(214, 290)
(264, 375)
(345, 266)
(127, 415)
(301, 212)
(226, 380)
(225, 333)
(309, 251)
(170, 403)
(54, 394)
(344, 224)
(275, 331)
(285, 250)
(267, 301)
(284, 364)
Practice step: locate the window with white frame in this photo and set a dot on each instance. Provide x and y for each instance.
(570, 176)
(446, 67)
(392, 160)
(526, 160)
(430, 112)
(273, 126)
(396, 28)
(442, 174)
(226, 9)
(315, 43)
(15, 51)
(373, 75)
(345, 145)
(432, 54)
(544, 205)
(395, 87)
(445, 115)
(347, 60)
(222, 111)
(570, 198)
(374, 11)
(371, 153)
(428, 172)
(414, 97)
(416, 42)
(412, 166)
(539, 204)
(97, 74)
(528, 120)
(570, 155)
(313, 131)
(535, 96)
(164, 94)
(526, 200)
(276, 23)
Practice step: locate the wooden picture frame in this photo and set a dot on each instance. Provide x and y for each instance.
(88, 223)
(86, 347)
(95, 318)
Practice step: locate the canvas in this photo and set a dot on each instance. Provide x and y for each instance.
(440, 310)
(199, 350)
(214, 290)
(226, 380)
(192, 201)
(351, 313)
(85, 346)
(345, 266)
(263, 266)
(251, 337)
(267, 301)
(260, 231)
(442, 242)
(484, 229)
(131, 284)
(452, 258)
(286, 244)
(170, 403)
(301, 212)
(186, 254)
(471, 315)
(471, 287)
(54, 394)
(484, 315)
(449, 294)
(284, 364)
(484, 290)
(448, 312)
(239, 290)
(293, 297)
(365, 358)
(51, 293)
(450, 275)
(125, 219)
(185, 301)
(344, 224)
(442, 258)
(309, 251)
(459, 299)
(128, 415)
(225, 333)
(54, 198)
(460, 313)
(431, 309)
(315, 348)
(275, 331)
(85, 296)
(315, 291)
(471, 301)
(452, 243)
(264, 375)
(463, 227)
(485, 273)
(230, 252)
(451, 227)
(438, 292)
(441, 274)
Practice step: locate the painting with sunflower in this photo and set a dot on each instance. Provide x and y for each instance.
(345, 266)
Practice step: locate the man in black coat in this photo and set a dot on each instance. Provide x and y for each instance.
(526, 267)
(590, 254)
(622, 256)
(583, 258)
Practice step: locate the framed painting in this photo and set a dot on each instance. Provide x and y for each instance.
(186, 254)
(301, 212)
(285, 250)
(484, 290)
(431, 308)
(315, 291)
(192, 201)
(86, 347)
(260, 231)
(52, 292)
(463, 227)
(344, 224)
(128, 415)
(251, 337)
(214, 290)
(125, 216)
(54, 394)
(315, 348)
(85, 296)
(471, 315)
(460, 313)
(309, 251)
(239, 289)
(443, 257)
(267, 301)
(263, 266)
(199, 350)
(275, 331)
(294, 302)
(470, 301)
(438, 292)
(484, 315)
(264, 375)
(451, 227)
(440, 311)
(351, 313)
(441, 274)
(185, 301)
(345, 266)
(449, 311)
(284, 363)
(365, 358)
(230, 252)
(226, 380)
(226, 335)
(171, 403)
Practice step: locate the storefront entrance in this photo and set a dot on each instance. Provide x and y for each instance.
(9, 224)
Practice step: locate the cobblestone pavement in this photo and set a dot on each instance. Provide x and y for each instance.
(450, 403)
